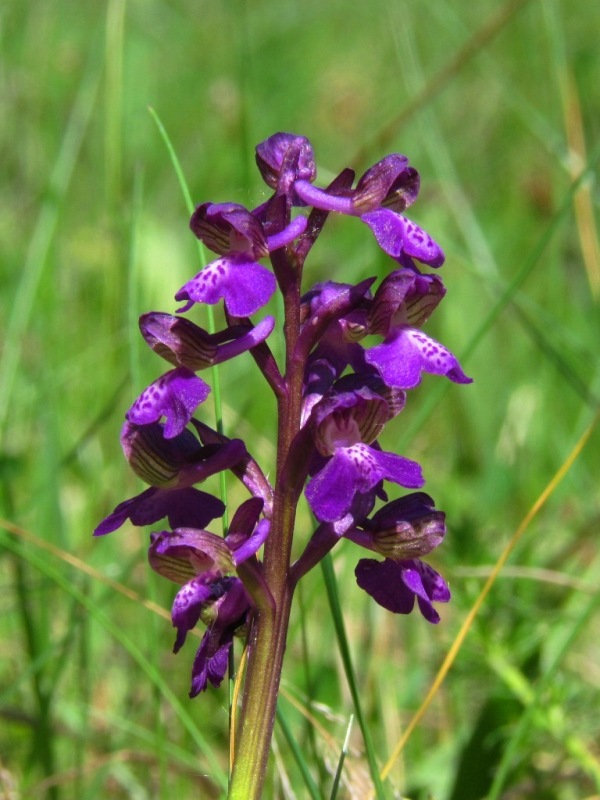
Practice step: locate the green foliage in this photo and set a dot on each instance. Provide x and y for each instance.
(94, 232)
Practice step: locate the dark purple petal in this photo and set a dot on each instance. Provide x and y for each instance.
(382, 580)
(406, 528)
(182, 507)
(175, 396)
(406, 352)
(395, 584)
(398, 236)
(187, 607)
(244, 285)
(178, 340)
(404, 297)
(210, 665)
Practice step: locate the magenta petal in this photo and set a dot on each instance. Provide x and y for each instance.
(399, 236)
(244, 285)
(175, 396)
(406, 352)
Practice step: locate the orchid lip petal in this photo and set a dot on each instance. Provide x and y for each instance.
(175, 395)
(244, 285)
(406, 352)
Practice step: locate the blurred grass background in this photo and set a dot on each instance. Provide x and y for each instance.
(497, 104)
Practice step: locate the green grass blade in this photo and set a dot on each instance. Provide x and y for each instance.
(41, 239)
(116, 632)
(209, 310)
(344, 649)
(298, 755)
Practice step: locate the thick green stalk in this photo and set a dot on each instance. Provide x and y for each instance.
(267, 641)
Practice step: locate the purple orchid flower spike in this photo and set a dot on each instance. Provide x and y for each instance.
(334, 392)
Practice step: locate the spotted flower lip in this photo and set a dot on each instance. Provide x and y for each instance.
(407, 352)
(356, 470)
(244, 286)
(175, 396)
(403, 239)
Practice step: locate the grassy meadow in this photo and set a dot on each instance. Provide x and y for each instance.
(498, 106)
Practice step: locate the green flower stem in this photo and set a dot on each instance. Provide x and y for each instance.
(267, 640)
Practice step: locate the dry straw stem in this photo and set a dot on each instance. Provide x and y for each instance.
(582, 200)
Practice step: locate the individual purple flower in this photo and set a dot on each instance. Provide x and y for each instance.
(175, 396)
(345, 425)
(236, 277)
(228, 618)
(200, 562)
(384, 190)
(407, 352)
(184, 344)
(395, 585)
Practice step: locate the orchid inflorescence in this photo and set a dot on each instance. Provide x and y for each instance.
(334, 397)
